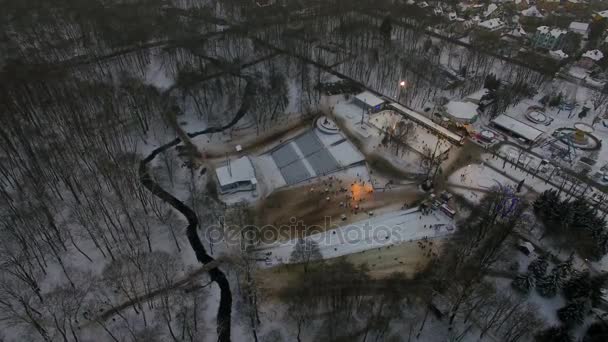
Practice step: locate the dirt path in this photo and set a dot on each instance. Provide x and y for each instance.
(175, 286)
(294, 209)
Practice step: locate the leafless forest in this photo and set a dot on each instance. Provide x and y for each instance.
(87, 253)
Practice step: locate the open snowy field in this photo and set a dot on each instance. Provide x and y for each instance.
(375, 232)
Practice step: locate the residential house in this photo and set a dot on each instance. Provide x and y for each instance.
(237, 175)
(589, 58)
(493, 25)
(558, 55)
(533, 12)
(490, 10)
(579, 28)
(548, 38)
(602, 14)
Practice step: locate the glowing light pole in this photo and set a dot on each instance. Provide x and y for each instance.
(400, 89)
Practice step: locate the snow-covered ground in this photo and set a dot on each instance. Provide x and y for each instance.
(474, 180)
(375, 232)
(419, 139)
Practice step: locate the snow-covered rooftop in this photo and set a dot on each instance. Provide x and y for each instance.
(370, 99)
(239, 170)
(491, 8)
(461, 110)
(427, 122)
(492, 24)
(595, 55)
(578, 27)
(532, 12)
(517, 32)
(523, 130)
(555, 32)
(476, 96)
(558, 54)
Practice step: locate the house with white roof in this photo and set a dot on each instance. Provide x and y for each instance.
(236, 175)
(368, 101)
(579, 28)
(589, 58)
(517, 32)
(493, 24)
(491, 9)
(558, 55)
(603, 14)
(532, 12)
(548, 38)
(461, 112)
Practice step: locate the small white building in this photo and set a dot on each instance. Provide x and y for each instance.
(603, 14)
(461, 112)
(369, 101)
(589, 58)
(532, 12)
(517, 128)
(491, 9)
(494, 24)
(579, 28)
(237, 175)
(558, 55)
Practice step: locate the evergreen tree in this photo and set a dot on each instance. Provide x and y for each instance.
(554, 334)
(597, 332)
(564, 270)
(578, 287)
(538, 267)
(523, 283)
(548, 285)
(386, 28)
(491, 82)
(598, 284)
(574, 313)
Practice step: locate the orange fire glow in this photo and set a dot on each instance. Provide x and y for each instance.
(359, 190)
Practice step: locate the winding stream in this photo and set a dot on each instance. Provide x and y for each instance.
(225, 307)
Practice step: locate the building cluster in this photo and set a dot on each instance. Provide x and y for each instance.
(566, 32)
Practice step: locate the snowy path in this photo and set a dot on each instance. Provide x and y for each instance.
(376, 232)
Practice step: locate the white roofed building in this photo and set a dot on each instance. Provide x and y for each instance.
(369, 101)
(494, 24)
(517, 128)
(548, 38)
(237, 175)
(532, 12)
(491, 9)
(590, 58)
(580, 28)
(461, 112)
(603, 14)
(558, 55)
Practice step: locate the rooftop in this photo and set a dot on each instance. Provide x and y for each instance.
(558, 54)
(461, 110)
(595, 55)
(370, 99)
(577, 26)
(532, 12)
(523, 130)
(491, 24)
(555, 32)
(238, 170)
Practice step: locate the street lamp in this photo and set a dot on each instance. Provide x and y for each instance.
(400, 89)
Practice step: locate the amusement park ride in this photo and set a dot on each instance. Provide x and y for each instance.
(565, 142)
